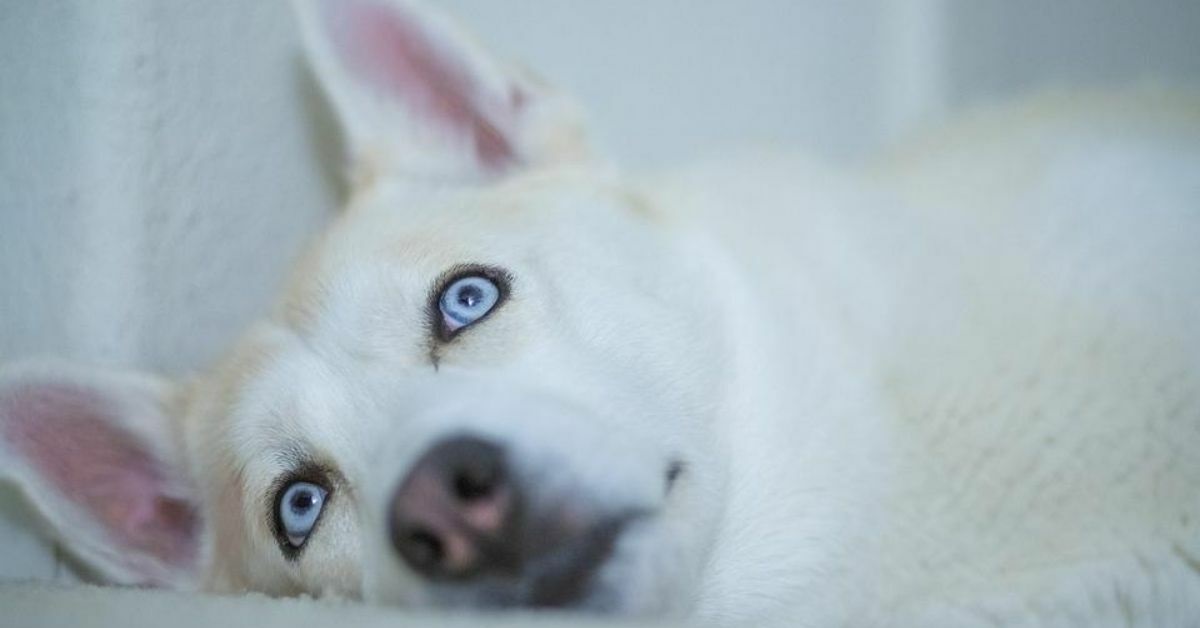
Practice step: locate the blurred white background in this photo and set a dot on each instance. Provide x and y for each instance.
(160, 162)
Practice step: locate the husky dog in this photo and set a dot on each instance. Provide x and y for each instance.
(961, 387)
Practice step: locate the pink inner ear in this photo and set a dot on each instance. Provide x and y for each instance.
(70, 438)
(390, 50)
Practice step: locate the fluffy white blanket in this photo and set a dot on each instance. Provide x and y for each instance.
(33, 605)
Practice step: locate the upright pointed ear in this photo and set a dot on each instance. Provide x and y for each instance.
(96, 454)
(418, 97)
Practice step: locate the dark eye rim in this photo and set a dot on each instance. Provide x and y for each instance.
(311, 473)
(498, 276)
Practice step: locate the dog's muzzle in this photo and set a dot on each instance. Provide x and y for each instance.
(534, 503)
(461, 518)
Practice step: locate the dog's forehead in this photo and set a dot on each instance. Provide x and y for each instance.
(381, 256)
(359, 301)
(299, 406)
(404, 218)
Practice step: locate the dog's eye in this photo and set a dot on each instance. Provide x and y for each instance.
(299, 508)
(466, 300)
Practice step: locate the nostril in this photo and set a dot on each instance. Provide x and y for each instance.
(476, 481)
(422, 549)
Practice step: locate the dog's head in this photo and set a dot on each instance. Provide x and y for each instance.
(492, 382)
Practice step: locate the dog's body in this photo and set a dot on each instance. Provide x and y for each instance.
(962, 388)
(1021, 316)
(1049, 406)
(1020, 293)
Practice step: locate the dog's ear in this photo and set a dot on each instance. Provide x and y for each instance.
(97, 455)
(418, 97)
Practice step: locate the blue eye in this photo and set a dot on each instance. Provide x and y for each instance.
(466, 301)
(299, 508)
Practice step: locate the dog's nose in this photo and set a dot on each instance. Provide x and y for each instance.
(460, 515)
(455, 513)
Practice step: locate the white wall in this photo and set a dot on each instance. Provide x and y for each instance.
(666, 79)
(159, 164)
(998, 47)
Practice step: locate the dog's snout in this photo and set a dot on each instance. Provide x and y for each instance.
(460, 515)
(455, 513)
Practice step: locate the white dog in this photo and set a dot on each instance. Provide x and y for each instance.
(961, 388)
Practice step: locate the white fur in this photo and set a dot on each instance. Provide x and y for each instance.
(960, 388)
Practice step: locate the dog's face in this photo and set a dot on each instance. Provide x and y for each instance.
(493, 404)
(491, 383)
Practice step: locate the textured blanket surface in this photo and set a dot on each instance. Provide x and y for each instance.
(34, 605)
